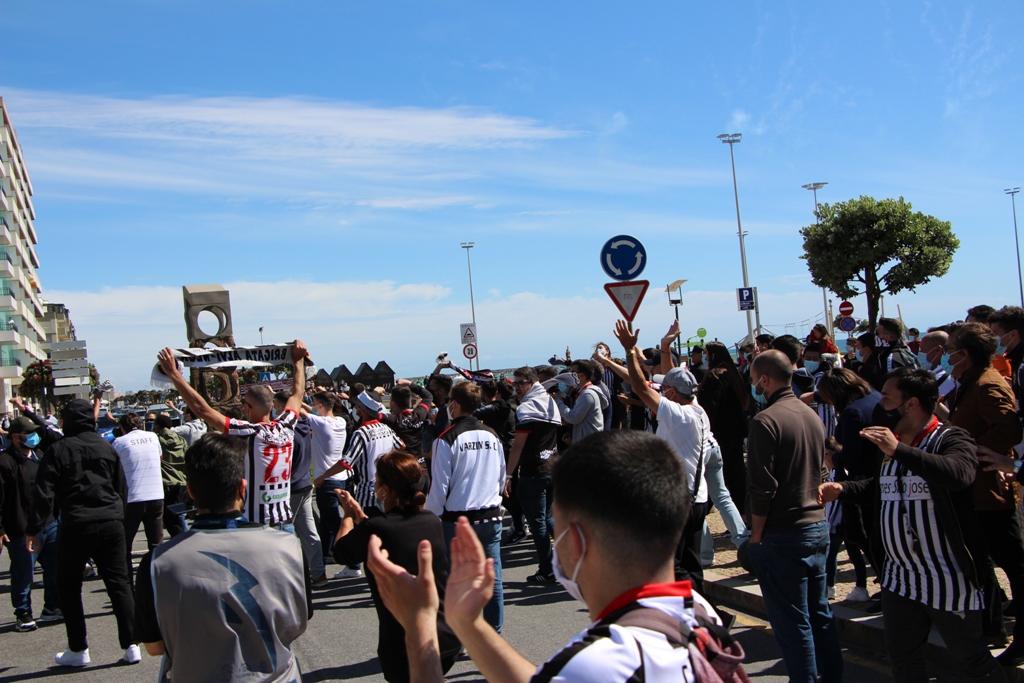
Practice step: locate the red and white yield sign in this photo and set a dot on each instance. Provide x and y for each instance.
(627, 296)
(846, 308)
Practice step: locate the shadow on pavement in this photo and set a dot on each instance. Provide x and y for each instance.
(358, 670)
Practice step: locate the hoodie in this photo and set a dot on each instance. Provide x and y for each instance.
(587, 415)
(82, 471)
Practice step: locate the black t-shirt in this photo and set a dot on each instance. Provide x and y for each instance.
(541, 445)
(400, 534)
(408, 424)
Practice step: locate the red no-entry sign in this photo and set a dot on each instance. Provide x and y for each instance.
(846, 308)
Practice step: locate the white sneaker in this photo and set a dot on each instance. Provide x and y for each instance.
(132, 655)
(858, 594)
(72, 658)
(349, 573)
(831, 593)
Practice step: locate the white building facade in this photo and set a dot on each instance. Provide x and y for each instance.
(22, 334)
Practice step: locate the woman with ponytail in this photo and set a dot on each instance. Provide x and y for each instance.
(401, 523)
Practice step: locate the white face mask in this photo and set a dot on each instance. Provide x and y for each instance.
(448, 409)
(570, 585)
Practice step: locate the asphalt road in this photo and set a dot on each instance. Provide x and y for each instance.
(340, 643)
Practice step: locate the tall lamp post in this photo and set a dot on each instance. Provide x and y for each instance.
(676, 301)
(261, 336)
(1013, 200)
(731, 139)
(814, 187)
(472, 305)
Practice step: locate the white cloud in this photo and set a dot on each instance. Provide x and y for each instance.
(405, 324)
(739, 121)
(414, 203)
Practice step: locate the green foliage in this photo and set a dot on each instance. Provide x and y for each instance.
(865, 246)
(37, 381)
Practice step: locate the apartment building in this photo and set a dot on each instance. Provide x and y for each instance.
(21, 310)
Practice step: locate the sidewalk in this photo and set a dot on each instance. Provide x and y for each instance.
(729, 584)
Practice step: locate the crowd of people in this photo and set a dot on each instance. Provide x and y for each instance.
(905, 450)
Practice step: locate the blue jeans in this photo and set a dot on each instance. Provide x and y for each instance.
(790, 567)
(23, 565)
(489, 534)
(535, 497)
(719, 495)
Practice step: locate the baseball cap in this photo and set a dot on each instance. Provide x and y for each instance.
(680, 379)
(22, 425)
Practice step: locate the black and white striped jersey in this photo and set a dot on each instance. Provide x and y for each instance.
(614, 653)
(268, 467)
(920, 563)
(371, 441)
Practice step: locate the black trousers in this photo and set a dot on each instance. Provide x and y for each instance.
(1002, 529)
(514, 507)
(688, 564)
(734, 471)
(907, 625)
(150, 514)
(104, 543)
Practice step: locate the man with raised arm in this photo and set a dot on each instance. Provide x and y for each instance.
(268, 458)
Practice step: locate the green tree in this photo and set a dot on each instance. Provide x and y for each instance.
(862, 326)
(37, 382)
(870, 247)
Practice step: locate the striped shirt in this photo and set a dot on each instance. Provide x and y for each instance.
(919, 562)
(268, 467)
(613, 653)
(372, 440)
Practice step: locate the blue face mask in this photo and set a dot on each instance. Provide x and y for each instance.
(811, 366)
(563, 388)
(1001, 349)
(32, 440)
(859, 357)
(922, 358)
(944, 362)
(758, 393)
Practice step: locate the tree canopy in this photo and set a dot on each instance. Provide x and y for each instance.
(871, 247)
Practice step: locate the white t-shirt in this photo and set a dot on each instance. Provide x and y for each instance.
(327, 435)
(688, 430)
(139, 452)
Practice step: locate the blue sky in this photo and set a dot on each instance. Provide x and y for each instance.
(324, 160)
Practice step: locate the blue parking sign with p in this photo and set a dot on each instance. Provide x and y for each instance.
(745, 298)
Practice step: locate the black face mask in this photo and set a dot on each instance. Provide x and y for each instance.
(149, 425)
(887, 418)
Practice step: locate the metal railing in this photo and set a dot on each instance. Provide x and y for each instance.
(9, 326)
(10, 362)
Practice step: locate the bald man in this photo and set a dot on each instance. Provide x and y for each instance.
(789, 535)
(933, 357)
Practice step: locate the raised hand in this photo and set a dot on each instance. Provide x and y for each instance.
(168, 363)
(626, 338)
(672, 334)
(412, 600)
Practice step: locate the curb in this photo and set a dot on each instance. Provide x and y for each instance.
(856, 629)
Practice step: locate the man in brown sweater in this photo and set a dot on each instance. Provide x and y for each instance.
(789, 536)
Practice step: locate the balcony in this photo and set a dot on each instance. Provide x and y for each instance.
(8, 326)
(10, 362)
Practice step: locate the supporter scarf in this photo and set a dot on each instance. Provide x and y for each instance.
(480, 377)
(537, 406)
(237, 357)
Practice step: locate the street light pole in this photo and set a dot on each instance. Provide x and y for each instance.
(1013, 200)
(261, 336)
(731, 139)
(472, 305)
(814, 187)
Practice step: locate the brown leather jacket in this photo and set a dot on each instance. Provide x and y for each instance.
(983, 405)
